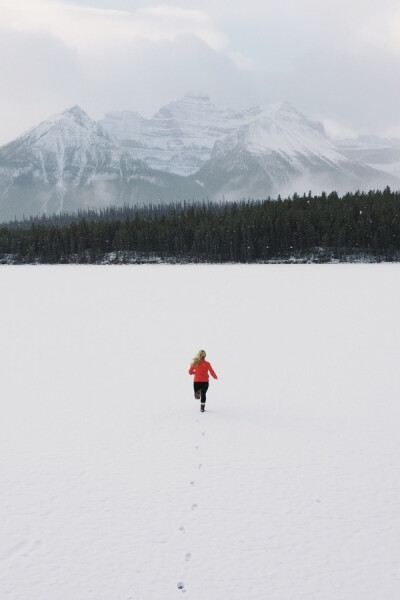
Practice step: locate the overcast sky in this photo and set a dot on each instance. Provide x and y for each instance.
(335, 60)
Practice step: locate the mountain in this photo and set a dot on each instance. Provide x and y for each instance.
(70, 162)
(39, 170)
(280, 151)
(179, 138)
(190, 150)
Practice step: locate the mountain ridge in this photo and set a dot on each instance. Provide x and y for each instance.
(189, 150)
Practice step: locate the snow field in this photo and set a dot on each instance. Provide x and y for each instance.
(114, 486)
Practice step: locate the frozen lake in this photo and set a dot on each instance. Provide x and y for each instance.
(115, 487)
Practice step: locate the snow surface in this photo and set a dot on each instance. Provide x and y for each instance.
(114, 486)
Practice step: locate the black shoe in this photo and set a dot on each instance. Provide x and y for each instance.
(202, 407)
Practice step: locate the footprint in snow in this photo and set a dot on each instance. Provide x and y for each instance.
(194, 506)
(199, 466)
(188, 556)
(181, 586)
(22, 549)
(192, 483)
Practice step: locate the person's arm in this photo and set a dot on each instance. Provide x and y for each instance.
(191, 370)
(213, 373)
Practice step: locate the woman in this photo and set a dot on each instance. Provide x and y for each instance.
(200, 368)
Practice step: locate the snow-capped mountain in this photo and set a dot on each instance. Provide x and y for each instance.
(70, 162)
(40, 168)
(280, 151)
(180, 137)
(281, 128)
(190, 150)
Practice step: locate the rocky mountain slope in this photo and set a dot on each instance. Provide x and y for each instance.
(282, 151)
(69, 162)
(180, 137)
(190, 150)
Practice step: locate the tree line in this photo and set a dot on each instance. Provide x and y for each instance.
(356, 226)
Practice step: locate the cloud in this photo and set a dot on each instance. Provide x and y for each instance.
(295, 26)
(334, 60)
(184, 22)
(56, 55)
(42, 75)
(39, 75)
(151, 74)
(87, 27)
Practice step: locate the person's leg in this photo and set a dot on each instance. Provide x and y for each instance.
(204, 388)
(197, 389)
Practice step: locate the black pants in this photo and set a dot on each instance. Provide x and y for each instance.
(203, 387)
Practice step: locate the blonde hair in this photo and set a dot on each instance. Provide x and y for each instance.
(198, 358)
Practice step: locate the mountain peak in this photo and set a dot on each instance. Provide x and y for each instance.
(61, 133)
(192, 103)
(75, 110)
(79, 116)
(282, 107)
(283, 112)
(196, 95)
(280, 129)
(190, 149)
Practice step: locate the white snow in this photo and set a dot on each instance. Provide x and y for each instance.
(114, 486)
(72, 128)
(66, 141)
(282, 129)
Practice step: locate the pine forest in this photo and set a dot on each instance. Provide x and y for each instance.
(325, 228)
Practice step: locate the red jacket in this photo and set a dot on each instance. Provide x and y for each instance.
(201, 371)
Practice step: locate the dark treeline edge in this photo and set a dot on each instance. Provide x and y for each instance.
(356, 226)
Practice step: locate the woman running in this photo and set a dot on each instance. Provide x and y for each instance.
(200, 368)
